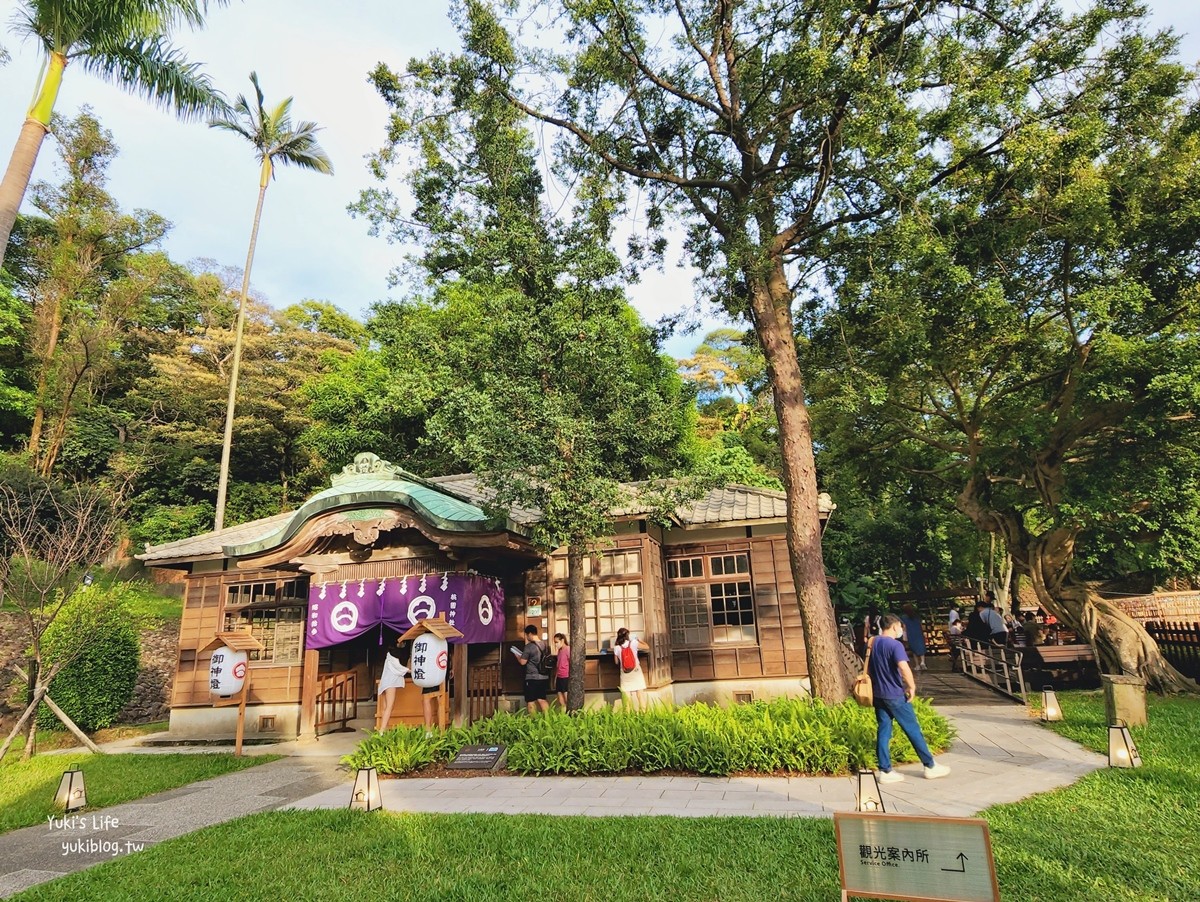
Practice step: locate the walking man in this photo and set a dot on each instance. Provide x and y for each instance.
(893, 688)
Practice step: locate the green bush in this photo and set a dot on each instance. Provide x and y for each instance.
(97, 633)
(795, 736)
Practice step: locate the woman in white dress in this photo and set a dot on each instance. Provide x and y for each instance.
(633, 683)
(394, 671)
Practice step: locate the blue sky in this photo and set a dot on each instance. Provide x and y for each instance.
(205, 181)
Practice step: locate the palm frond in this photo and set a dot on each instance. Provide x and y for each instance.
(272, 134)
(159, 72)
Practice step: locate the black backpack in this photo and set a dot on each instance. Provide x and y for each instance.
(548, 662)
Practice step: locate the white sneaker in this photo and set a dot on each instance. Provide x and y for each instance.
(889, 776)
(938, 770)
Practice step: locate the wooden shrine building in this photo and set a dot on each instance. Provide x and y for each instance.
(327, 588)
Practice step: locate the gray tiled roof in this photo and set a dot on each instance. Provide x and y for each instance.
(731, 504)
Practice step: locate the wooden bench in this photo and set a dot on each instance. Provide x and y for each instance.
(1058, 664)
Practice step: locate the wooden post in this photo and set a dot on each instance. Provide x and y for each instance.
(241, 719)
(308, 693)
(460, 716)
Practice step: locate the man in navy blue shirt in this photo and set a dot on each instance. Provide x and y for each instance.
(893, 687)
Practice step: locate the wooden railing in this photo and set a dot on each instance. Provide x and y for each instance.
(1179, 643)
(483, 691)
(997, 667)
(337, 699)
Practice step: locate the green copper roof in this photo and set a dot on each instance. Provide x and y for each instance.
(369, 495)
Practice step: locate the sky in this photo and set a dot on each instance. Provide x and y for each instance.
(205, 181)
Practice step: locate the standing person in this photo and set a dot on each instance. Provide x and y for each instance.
(562, 673)
(914, 635)
(953, 618)
(893, 688)
(633, 682)
(997, 631)
(395, 668)
(537, 684)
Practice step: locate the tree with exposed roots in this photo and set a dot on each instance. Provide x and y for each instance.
(763, 128)
(1032, 327)
(123, 41)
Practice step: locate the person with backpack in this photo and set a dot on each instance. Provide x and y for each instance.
(537, 682)
(633, 678)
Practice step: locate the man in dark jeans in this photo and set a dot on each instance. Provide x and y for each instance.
(893, 687)
(536, 683)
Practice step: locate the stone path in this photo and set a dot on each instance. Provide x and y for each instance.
(1001, 755)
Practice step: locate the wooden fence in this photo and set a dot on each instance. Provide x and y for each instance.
(1179, 643)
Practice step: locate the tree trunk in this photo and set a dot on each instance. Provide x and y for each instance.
(770, 300)
(54, 328)
(1121, 644)
(29, 142)
(577, 631)
(17, 176)
(227, 441)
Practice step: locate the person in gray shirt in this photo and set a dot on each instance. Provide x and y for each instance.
(537, 684)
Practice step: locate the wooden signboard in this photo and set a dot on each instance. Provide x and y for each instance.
(923, 859)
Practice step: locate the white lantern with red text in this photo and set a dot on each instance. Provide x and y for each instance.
(227, 671)
(430, 660)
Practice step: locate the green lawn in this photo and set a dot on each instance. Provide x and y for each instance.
(1115, 835)
(27, 788)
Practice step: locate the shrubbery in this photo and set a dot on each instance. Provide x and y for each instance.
(98, 682)
(782, 736)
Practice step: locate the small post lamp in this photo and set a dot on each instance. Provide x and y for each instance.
(1050, 709)
(366, 795)
(1121, 750)
(72, 794)
(868, 796)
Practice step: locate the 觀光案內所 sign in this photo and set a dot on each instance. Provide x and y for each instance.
(924, 859)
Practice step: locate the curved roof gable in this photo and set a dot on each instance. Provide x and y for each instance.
(370, 483)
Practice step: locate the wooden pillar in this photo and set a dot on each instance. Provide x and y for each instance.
(459, 702)
(308, 694)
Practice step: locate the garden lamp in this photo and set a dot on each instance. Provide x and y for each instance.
(366, 795)
(869, 797)
(72, 794)
(1121, 750)
(1050, 708)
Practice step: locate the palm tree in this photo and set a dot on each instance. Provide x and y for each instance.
(274, 138)
(122, 41)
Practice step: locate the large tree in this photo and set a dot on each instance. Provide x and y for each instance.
(1029, 333)
(276, 141)
(541, 377)
(88, 280)
(762, 127)
(122, 41)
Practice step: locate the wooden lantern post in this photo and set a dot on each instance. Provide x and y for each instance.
(236, 641)
(443, 630)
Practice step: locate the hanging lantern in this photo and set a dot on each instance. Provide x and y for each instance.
(366, 795)
(869, 798)
(72, 794)
(1050, 709)
(1121, 750)
(430, 660)
(227, 671)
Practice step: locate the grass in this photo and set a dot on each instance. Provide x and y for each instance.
(56, 740)
(27, 787)
(1115, 835)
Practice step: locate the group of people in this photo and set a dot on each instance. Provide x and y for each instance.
(538, 683)
(987, 626)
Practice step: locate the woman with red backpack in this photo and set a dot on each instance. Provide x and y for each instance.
(633, 678)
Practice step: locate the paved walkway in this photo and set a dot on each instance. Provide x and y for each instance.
(1001, 755)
